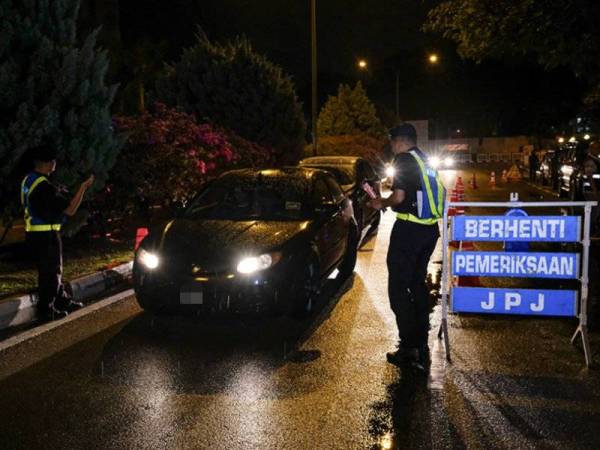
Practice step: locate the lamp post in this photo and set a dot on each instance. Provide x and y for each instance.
(313, 33)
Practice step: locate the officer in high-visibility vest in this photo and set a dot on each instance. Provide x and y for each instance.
(417, 199)
(45, 211)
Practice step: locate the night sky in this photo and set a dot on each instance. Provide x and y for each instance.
(491, 98)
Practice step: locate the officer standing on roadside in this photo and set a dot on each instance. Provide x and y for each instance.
(418, 200)
(45, 211)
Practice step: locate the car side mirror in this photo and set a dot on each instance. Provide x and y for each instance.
(326, 208)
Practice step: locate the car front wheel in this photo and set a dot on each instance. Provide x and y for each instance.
(305, 289)
(349, 261)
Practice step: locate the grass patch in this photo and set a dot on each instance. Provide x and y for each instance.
(80, 258)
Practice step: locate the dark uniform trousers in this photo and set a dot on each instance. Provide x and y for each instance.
(45, 248)
(411, 246)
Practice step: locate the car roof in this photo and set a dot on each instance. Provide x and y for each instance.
(298, 173)
(331, 160)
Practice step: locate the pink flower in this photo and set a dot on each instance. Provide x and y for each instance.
(201, 166)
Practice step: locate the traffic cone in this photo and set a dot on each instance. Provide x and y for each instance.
(504, 176)
(513, 174)
(460, 194)
(493, 179)
(452, 211)
(140, 234)
(468, 282)
(473, 182)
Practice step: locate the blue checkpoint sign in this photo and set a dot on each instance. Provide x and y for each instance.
(527, 302)
(515, 264)
(516, 228)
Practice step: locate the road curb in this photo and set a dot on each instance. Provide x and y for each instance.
(21, 310)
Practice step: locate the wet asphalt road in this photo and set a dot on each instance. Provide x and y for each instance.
(177, 382)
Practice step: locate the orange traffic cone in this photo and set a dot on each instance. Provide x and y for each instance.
(453, 198)
(468, 281)
(504, 176)
(460, 193)
(473, 182)
(493, 179)
(140, 234)
(513, 174)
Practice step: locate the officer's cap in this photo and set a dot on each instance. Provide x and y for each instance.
(403, 130)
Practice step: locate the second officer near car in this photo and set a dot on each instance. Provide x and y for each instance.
(417, 199)
(45, 211)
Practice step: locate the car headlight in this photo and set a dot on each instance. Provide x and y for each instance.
(147, 259)
(252, 264)
(435, 162)
(448, 161)
(390, 172)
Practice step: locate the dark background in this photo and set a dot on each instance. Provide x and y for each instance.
(491, 98)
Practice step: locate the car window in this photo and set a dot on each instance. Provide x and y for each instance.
(335, 189)
(343, 174)
(239, 199)
(321, 193)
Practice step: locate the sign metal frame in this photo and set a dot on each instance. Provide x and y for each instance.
(583, 272)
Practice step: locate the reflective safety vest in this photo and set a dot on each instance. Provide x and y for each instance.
(431, 198)
(33, 222)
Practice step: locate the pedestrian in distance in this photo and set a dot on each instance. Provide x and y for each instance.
(534, 165)
(417, 198)
(46, 209)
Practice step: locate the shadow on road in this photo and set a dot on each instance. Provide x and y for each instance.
(208, 355)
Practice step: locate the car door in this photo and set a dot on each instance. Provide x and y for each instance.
(341, 220)
(366, 173)
(328, 217)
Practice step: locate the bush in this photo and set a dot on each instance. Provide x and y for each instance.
(367, 147)
(234, 87)
(168, 155)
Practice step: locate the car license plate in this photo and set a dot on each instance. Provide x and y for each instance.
(191, 297)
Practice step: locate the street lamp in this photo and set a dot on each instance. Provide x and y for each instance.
(362, 64)
(313, 51)
(561, 140)
(587, 137)
(433, 58)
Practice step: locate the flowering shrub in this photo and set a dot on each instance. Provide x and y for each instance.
(168, 155)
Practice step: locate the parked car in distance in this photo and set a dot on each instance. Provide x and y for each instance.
(351, 172)
(250, 241)
(571, 157)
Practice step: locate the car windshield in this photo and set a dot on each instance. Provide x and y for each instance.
(251, 199)
(342, 174)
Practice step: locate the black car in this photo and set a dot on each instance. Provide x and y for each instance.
(351, 172)
(250, 241)
(570, 173)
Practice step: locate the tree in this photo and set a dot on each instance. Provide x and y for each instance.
(52, 90)
(349, 112)
(233, 86)
(558, 33)
(368, 147)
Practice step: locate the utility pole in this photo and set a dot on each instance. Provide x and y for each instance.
(313, 32)
(397, 95)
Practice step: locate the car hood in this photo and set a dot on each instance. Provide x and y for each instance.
(219, 242)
